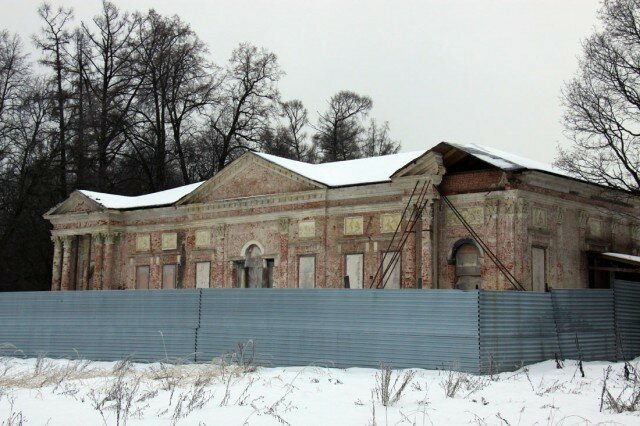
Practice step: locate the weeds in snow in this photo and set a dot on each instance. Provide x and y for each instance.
(627, 398)
(123, 395)
(388, 390)
(14, 418)
(193, 399)
(542, 388)
(455, 382)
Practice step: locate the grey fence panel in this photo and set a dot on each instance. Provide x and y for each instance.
(627, 312)
(100, 343)
(471, 331)
(403, 328)
(101, 325)
(585, 323)
(516, 328)
(115, 307)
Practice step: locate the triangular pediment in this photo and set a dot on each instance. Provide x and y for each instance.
(428, 164)
(250, 176)
(76, 203)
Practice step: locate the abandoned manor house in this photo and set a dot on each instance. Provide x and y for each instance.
(450, 217)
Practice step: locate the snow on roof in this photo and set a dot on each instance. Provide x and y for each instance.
(506, 161)
(623, 257)
(162, 198)
(335, 174)
(349, 172)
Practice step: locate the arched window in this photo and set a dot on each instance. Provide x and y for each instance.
(254, 266)
(254, 271)
(467, 263)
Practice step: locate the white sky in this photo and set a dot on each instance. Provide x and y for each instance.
(465, 71)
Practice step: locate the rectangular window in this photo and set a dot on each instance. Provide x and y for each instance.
(538, 269)
(203, 271)
(307, 271)
(169, 276)
(142, 277)
(391, 265)
(355, 269)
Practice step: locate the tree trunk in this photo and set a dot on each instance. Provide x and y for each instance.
(61, 125)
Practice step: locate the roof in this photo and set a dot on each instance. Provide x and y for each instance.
(154, 199)
(625, 258)
(350, 172)
(335, 174)
(507, 161)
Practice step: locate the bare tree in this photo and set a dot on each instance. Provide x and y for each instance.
(339, 130)
(277, 142)
(192, 84)
(177, 83)
(27, 188)
(78, 118)
(602, 102)
(13, 78)
(109, 49)
(53, 41)
(245, 102)
(378, 141)
(296, 120)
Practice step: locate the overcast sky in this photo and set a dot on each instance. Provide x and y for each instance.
(480, 71)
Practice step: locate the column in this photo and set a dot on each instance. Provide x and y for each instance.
(83, 260)
(97, 252)
(107, 261)
(57, 263)
(66, 278)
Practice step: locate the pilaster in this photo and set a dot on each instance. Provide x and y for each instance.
(428, 235)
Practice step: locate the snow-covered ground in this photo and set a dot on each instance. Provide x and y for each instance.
(74, 392)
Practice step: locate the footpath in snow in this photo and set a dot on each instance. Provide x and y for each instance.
(75, 392)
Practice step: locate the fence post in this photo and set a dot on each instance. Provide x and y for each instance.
(198, 324)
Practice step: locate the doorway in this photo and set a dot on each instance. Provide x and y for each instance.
(538, 269)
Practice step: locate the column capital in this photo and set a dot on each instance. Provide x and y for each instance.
(111, 237)
(523, 207)
(57, 241)
(490, 208)
(97, 238)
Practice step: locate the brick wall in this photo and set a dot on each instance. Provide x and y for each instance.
(502, 213)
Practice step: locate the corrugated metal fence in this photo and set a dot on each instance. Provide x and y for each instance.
(108, 325)
(627, 307)
(515, 328)
(344, 328)
(475, 331)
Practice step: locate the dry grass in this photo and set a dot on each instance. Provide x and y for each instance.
(457, 383)
(47, 372)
